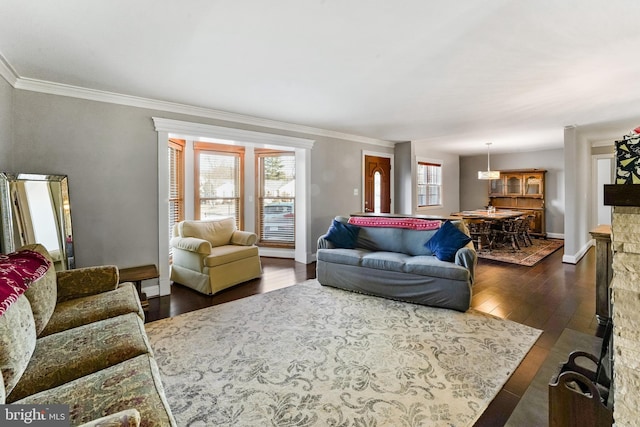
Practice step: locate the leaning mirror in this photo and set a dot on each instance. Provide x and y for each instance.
(35, 209)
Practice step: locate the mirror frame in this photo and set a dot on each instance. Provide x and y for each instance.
(62, 212)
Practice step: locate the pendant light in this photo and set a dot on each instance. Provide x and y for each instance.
(488, 174)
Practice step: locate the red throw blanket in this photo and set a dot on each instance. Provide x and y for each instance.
(17, 271)
(410, 223)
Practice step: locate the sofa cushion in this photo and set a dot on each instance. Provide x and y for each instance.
(388, 239)
(221, 255)
(81, 311)
(392, 261)
(17, 341)
(413, 241)
(134, 383)
(342, 256)
(43, 292)
(343, 235)
(126, 418)
(68, 355)
(218, 231)
(446, 242)
(429, 265)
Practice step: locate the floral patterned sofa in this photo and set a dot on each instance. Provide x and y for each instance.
(77, 338)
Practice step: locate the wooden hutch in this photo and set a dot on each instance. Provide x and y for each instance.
(522, 190)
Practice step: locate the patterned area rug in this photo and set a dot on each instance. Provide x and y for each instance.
(527, 255)
(310, 355)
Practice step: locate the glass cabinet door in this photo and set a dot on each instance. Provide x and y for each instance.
(496, 187)
(514, 184)
(533, 185)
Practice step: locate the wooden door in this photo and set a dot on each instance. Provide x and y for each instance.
(377, 184)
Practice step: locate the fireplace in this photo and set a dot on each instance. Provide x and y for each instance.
(625, 300)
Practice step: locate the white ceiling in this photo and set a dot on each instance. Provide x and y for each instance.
(456, 74)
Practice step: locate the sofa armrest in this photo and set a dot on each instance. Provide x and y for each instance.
(126, 418)
(82, 282)
(192, 244)
(467, 257)
(243, 238)
(323, 243)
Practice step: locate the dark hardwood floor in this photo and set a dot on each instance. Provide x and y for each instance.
(550, 296)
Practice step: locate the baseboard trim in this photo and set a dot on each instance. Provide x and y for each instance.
(151, 291)
(574, 259)
(277, 252)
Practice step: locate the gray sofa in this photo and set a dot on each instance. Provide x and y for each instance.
(394, 263)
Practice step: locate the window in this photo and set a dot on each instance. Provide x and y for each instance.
(176, 180)
(429, 184)
(218, 181)
(276, 197)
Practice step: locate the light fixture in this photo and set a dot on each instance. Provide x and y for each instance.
(488, 174)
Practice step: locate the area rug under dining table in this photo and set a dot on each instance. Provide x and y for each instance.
(309, 355)
(529, 255)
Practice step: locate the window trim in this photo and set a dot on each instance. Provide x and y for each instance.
(429, 162)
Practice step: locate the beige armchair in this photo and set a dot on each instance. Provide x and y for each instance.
(212, 255)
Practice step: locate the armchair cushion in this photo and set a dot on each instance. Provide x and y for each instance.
(218, 231)
(229, 253)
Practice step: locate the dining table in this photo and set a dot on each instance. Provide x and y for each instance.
(498, 214)
(487, 227)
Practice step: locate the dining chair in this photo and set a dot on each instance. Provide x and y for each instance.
(507, 232)
(480, 232)
(525, 227)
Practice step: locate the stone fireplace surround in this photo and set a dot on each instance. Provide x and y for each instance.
(625, 300)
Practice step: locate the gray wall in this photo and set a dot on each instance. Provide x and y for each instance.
(6, 106)
(336, 169)
(474, 192)
(109, 153)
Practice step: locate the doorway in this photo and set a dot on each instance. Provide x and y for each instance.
(377, 183)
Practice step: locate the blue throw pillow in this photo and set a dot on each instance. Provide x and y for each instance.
(446, 242)
(342, 235)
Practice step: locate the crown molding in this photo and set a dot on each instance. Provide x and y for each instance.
(61, 89)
